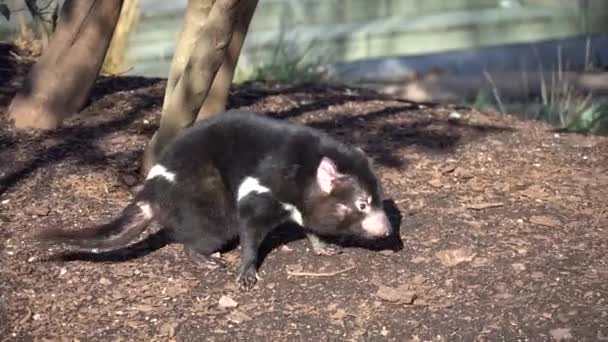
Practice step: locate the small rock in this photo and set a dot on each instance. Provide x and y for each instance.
(454, 116)
(5, 201)
(105, 281)
(227, 302)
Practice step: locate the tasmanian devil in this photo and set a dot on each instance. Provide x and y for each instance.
(241, 174)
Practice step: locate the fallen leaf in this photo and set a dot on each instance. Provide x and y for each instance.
(238, 317)
(546, 221)
(453, 257)
(561, 334)
(227, 302)
(398, 295)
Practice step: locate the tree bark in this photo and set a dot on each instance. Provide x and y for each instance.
(207, 42)
(59, 83)
(220, 88)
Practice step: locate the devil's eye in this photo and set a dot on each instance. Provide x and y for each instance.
(361, 205)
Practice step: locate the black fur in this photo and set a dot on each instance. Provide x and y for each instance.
(211, 159)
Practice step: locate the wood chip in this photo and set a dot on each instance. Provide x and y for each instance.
(546, 221)
(227, 302)
(238, 317)
(453, 257)
(399, 295)
(436, 183)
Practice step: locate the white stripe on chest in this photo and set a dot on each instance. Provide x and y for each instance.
(250, 185)
(161, 171)
(253, 185)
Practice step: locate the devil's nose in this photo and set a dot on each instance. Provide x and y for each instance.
(376, 223)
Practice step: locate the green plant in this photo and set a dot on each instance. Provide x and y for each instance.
(290, 60)
(288, 63)
(594, 119)
(571, 109)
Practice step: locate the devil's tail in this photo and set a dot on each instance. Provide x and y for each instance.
(117, 233)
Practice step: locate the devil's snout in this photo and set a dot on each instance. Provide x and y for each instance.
(376, 223)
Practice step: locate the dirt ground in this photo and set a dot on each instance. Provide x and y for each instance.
(503, 224)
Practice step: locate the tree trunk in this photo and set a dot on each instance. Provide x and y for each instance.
(206, 43)
(59, 83)
(220, 89)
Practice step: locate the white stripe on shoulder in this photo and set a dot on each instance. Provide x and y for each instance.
(159, 170)
(250, 185)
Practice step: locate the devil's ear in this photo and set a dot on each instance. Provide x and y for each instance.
(327, 173)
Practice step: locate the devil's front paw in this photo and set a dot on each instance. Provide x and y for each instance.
(247, 279)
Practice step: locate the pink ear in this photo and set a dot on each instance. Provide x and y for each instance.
(326, 174)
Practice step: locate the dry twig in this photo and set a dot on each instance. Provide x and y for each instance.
(322, 274)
